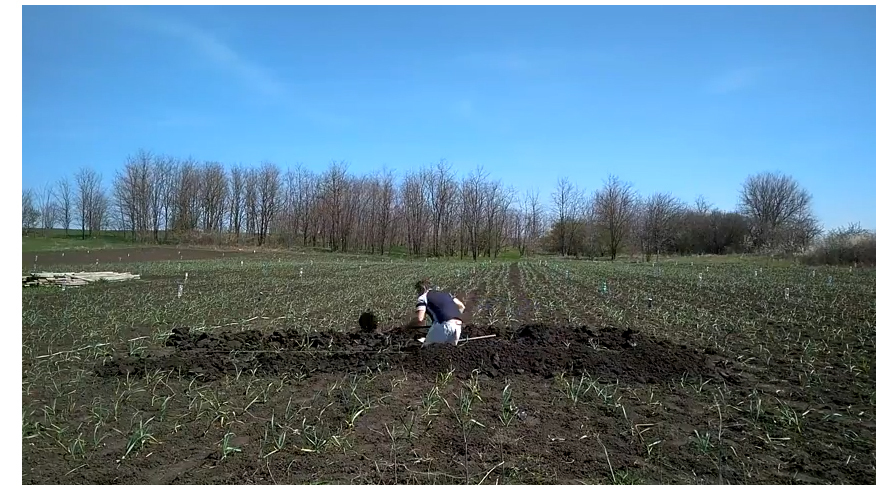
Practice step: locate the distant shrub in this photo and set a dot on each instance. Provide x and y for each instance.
(849, 245)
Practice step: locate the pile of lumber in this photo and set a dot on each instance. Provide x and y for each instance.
(74, 279)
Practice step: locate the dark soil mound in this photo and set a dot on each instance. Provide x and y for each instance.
(533, 349)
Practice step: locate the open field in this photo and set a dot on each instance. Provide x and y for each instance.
(56, 239)
(86, 257)
(258, 373)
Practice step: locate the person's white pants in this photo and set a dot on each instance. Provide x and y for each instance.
(448, 332)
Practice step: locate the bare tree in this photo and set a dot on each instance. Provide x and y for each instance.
(497, 201)
(384, 204)
(473, 201)
(657, 222)
(366, 199)
(143, 186)
(615, 205)
(334, 197)
(47, 207)
(132, 194)
(122, 200)
(415, 211)
(532, 221)
(774, 202)
(88, 183)
(290, 211)
(185, 196)
(30, 214)
(213, 193)
(236, 199)
(309, 206)
(99, 211)
(268, 186)
(702, 206)
(567, 202)
(439, 186)
(252, 203)
(162, 172)
(593, 238)
(64, 202)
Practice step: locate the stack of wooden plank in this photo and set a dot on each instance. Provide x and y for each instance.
(74, 279)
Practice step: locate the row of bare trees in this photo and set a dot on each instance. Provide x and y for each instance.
(430, 211)
(63, 204)
(774, 215)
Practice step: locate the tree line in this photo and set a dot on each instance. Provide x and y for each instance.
(429, 211)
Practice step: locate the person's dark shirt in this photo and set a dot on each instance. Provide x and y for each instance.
(440, 306)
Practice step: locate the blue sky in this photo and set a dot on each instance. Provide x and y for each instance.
(688, 100)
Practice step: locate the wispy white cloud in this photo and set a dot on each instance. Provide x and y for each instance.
(734, 80)
(214, 50)
(258, 80)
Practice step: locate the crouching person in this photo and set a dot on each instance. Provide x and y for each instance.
(444, 310)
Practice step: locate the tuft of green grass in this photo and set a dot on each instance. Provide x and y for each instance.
(226, 446)
(703, 442)
(508, 410)
(139, 437)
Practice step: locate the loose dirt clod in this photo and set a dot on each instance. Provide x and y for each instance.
(368, 321)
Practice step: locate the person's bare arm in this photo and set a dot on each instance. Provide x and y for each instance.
(460, 304)
(418, 318)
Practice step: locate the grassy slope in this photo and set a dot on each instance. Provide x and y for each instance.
(57, 240)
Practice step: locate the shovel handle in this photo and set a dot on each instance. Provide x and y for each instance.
(466, 339)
